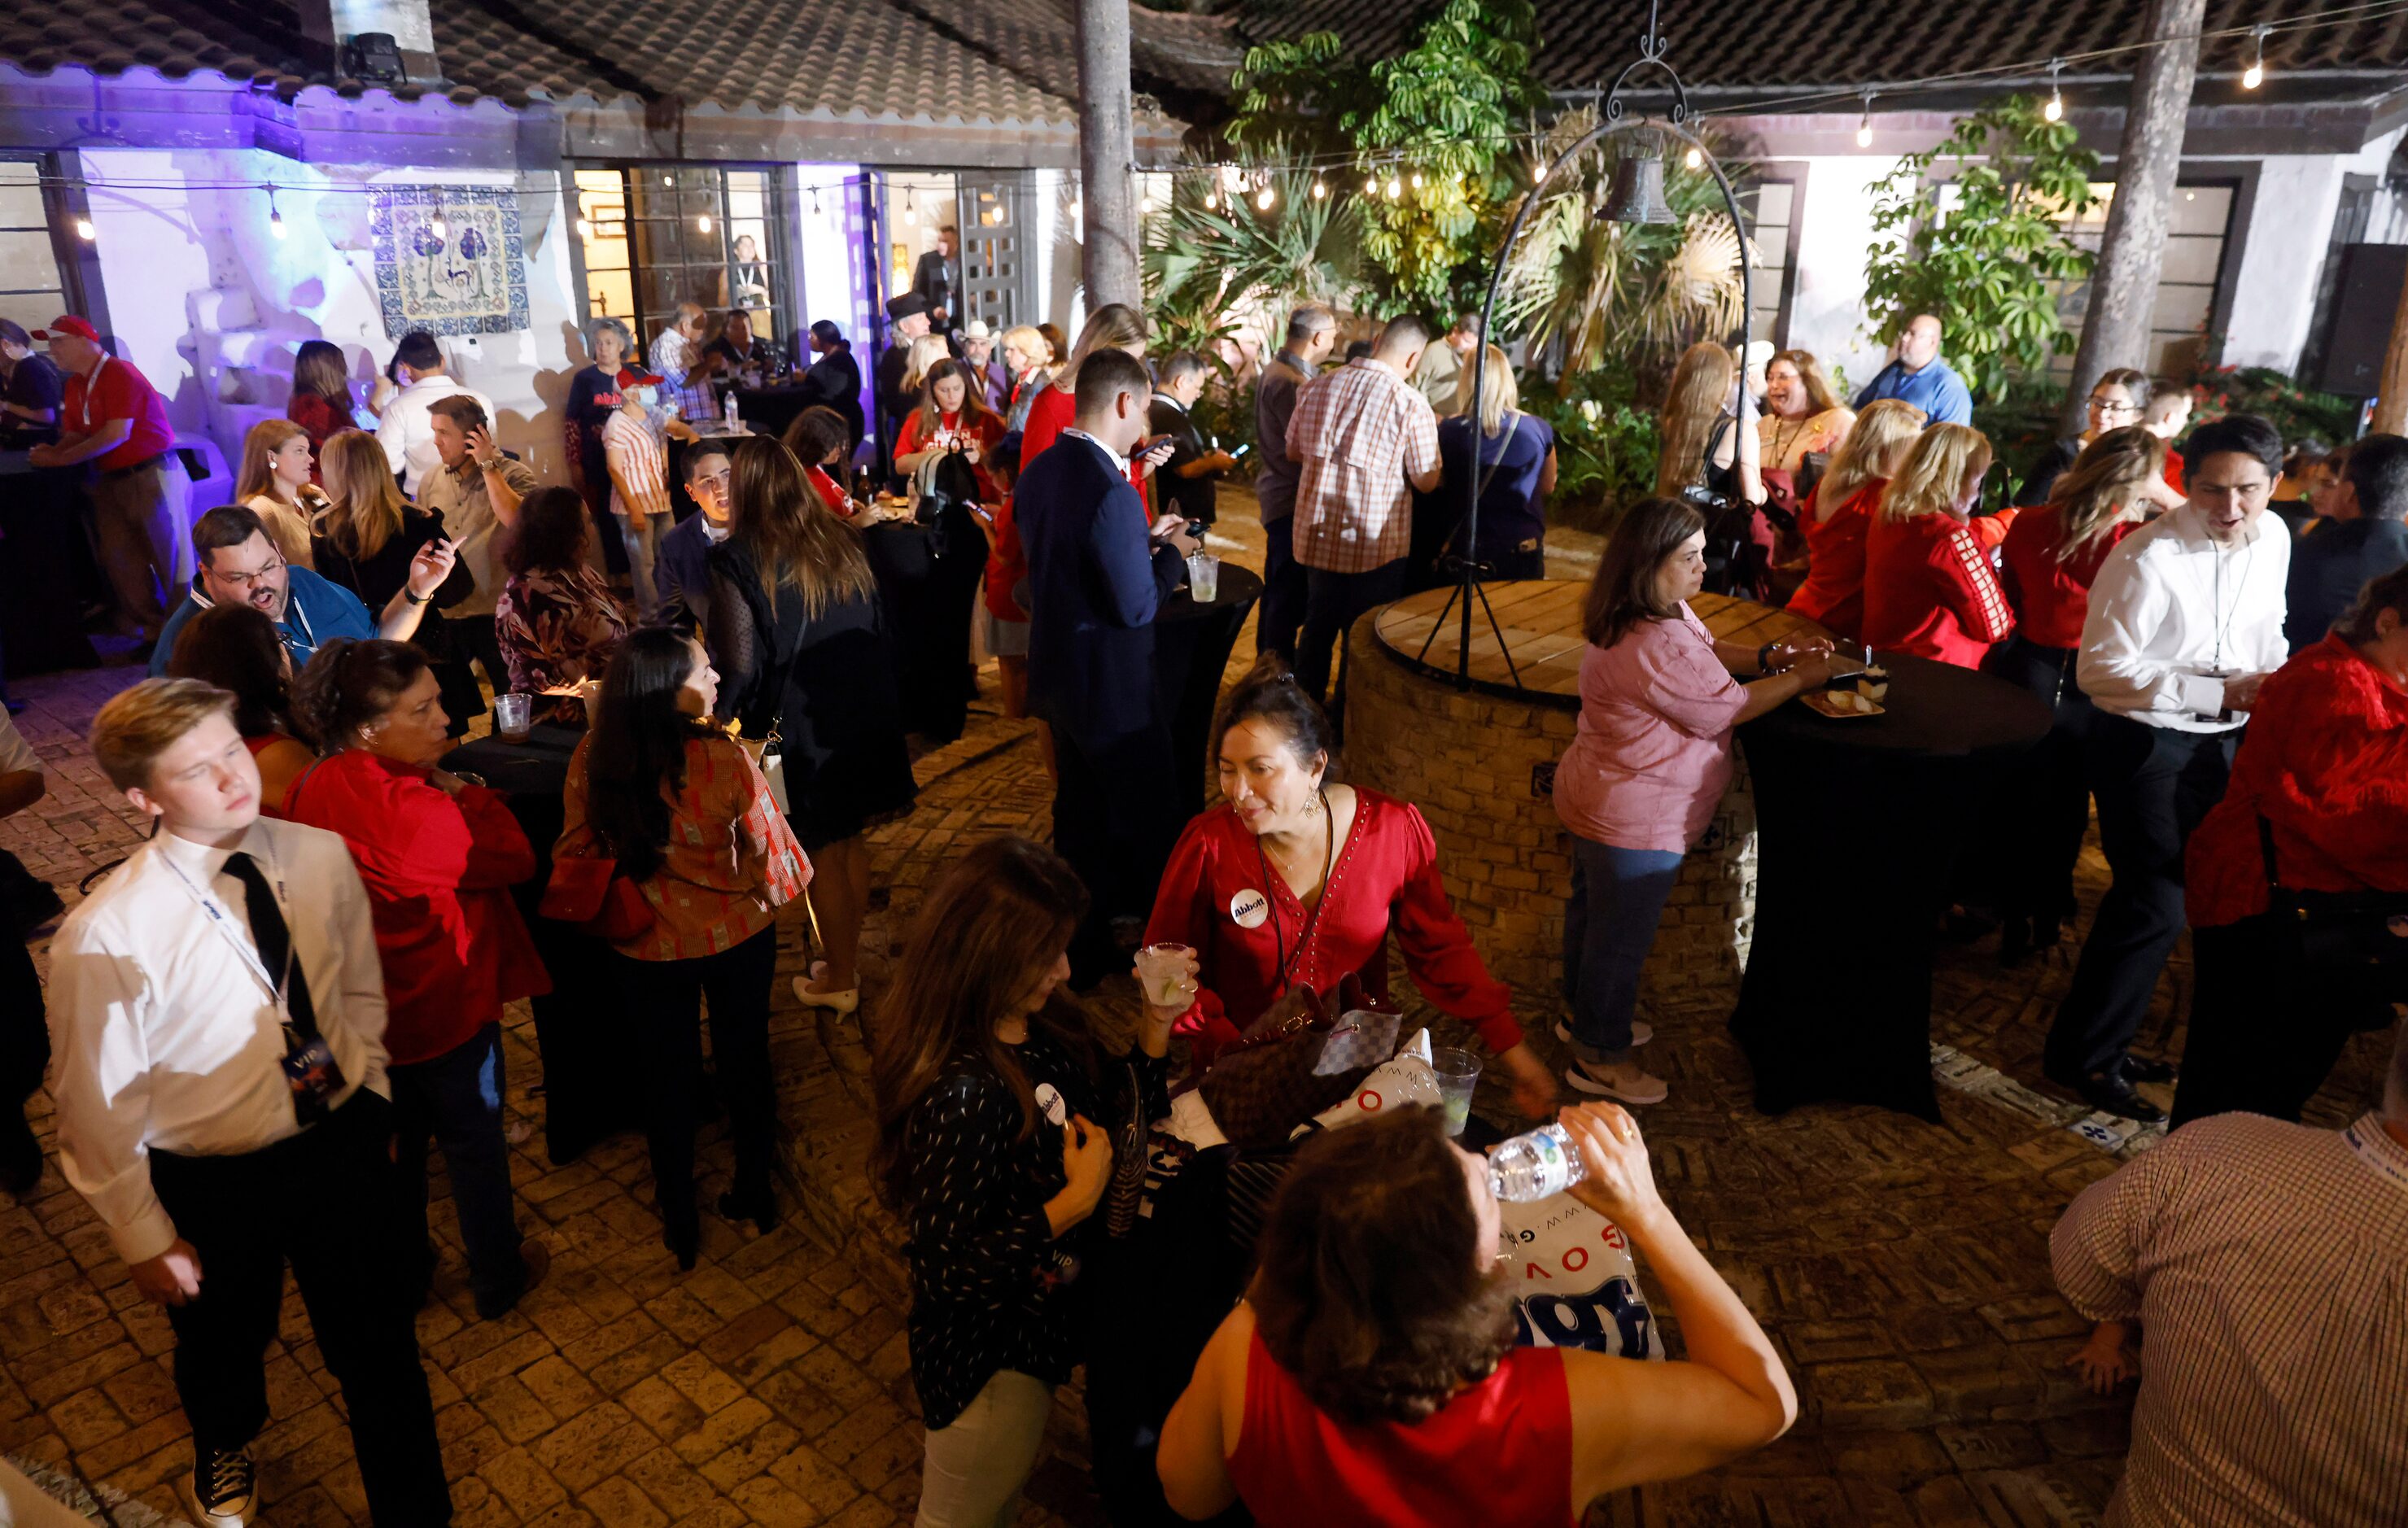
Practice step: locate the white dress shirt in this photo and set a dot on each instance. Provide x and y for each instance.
(407, 435)
(164, 1035)
(2171, 611)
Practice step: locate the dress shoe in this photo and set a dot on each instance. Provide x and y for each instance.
(2146, 1069)
(2109, 1094)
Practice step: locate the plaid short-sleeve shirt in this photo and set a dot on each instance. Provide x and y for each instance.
(1361, 430)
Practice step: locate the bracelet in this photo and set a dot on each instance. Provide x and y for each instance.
(1764, 659)
(414, 599)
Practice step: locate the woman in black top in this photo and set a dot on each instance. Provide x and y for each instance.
(997, 1120)
(739, 348)
(799, 639)
(2116, 400)
(593, 398)
(31, 391)
(364, 541)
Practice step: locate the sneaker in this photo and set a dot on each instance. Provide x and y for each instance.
(224, 1491)
(1629, 1083)
(1641, 1032)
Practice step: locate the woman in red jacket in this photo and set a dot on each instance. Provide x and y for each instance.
(439, 856)
(1293, 880)
(2318, 802)
(2052, 554)
(1114, 326)
(1840, 510)
(1930, 588)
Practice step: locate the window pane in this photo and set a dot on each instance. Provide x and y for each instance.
(32, 310)
(26, 261)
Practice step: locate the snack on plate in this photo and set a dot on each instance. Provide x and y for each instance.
(1873, 692)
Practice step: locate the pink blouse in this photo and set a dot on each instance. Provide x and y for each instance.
(1653, 753)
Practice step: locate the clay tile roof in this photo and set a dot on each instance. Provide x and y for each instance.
(1735, 46)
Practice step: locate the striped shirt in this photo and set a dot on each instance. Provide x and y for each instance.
(1360, 432)
(2267, 1264)
(637, 457)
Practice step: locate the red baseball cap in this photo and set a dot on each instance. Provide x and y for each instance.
(67, 323)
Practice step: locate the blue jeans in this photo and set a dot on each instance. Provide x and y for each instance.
(456, 1100)
(1618, 897)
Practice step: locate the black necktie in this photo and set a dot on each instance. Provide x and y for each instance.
(275, 942)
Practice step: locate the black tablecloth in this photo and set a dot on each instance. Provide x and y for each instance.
(768, 410)
(1858, 823)
(929, 578)
(582, 1027)
(42, 549)
(1192, 644)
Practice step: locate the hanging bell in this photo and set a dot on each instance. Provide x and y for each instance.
(1636, 195)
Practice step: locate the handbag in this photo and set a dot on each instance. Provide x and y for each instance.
(2336, 931)
(769, 756)
(1271, 1081)
(588, 893)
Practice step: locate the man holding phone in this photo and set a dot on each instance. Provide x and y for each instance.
(1188, 477)
(477, 490)
(1097, 576)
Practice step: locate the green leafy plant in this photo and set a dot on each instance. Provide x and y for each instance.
(1606, 444)
(2301, 413)
(1977, 230)
(1214, 254)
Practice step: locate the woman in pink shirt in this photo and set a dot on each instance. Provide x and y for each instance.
(1646, 770)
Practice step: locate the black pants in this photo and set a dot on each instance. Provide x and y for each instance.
(2047, 806)
(473, 637)
(2153, 785)
(2266, 1028)
(667, 996)
(24, 1054)
(1281, 612)
(1115, 818)
(1332, 604)
(321, 1201)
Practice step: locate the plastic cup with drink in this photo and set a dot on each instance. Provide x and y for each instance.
(1203, 576)
(514, 717)
(1458, 1076)
(1162, 971)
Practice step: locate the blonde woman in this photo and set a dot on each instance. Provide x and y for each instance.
(1515, 465)
(366, 538)
(1703, 445)
(1025, 356)
(1841, 508)
(1930, 588)
(1114, 326)
(1802, 414)
(274, 484)
(2052, 553)
(920, 360)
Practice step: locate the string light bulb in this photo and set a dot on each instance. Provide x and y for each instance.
(85, 231)
(702, 223)
(1865, 127)
(1417, 180)
(1320, 189)
(1211, 201)
(1232, 178)
(275, 219)
(1371, 185)
(2255, 75)
(1693, 160)
(2054, 110)
(585, 227)
(1396, 187)
(1263, 200)
(437, 226)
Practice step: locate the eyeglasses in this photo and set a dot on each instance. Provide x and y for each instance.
(2110, 406)
(246, 580)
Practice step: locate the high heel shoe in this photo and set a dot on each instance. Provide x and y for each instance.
(760, 1206)
(839, 1003)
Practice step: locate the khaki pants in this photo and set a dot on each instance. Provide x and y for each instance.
(143, 523)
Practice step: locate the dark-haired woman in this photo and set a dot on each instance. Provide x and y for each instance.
(995, 1122)
(821, 440)
(237, 648)
(689, 817)
(557, 622)
(1649, 761)
(322, 400)
(2117, 400)
(2052, 553)
(1297, 880)
(1370, 1375)
(438, 856)
(366, 540)
(800, 638)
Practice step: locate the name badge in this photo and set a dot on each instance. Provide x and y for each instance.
(1249, 908)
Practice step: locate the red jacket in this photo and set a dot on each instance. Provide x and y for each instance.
(1833, 593)
(1929, 591)
(2051, 598)
(1385, 875)
(1052, 413)
(438, 869)
(2324, 761)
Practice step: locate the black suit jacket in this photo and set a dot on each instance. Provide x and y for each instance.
(1095, 580)
(930, 279)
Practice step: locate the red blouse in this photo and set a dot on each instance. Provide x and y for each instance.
(831, 492)
(1929, 591)
(438, 869)
(2324, 761)
(1385, 875)
(1497, 1453)
(318, 418)
(986, 427)
(2052, 597)
(1054, 411)
(1833, 593)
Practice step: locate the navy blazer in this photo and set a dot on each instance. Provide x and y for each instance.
(1096, 579)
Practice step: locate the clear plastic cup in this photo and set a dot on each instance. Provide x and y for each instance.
(1458, 1075)
(514, 717)
(1162, 971)
(1203, 576)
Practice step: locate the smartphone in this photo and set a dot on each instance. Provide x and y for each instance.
(1239, 450)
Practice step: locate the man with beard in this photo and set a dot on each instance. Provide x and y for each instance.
(240, 566)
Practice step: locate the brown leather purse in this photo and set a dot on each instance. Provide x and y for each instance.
(1261, 1089)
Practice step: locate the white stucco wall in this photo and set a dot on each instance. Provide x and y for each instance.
(191, 275)
(2290, 229)
(1827, 309)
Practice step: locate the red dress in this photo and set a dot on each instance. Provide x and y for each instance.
(1499, 1453)
(1833, 593)
(1929, 591)
(2324, 761)
(439, 870)
(1385, 875)
(2050, 597)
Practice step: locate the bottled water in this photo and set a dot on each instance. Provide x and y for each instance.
(1538, 1165)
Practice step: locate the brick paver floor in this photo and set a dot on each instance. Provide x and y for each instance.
(1901, 1266)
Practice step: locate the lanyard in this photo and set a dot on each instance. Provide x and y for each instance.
(90, 385)
(243, 945)
(2219, 620)
(2360, 1134)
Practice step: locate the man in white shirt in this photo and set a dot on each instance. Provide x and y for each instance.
(2185, 622)
(220, 1081)
(404, 430)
